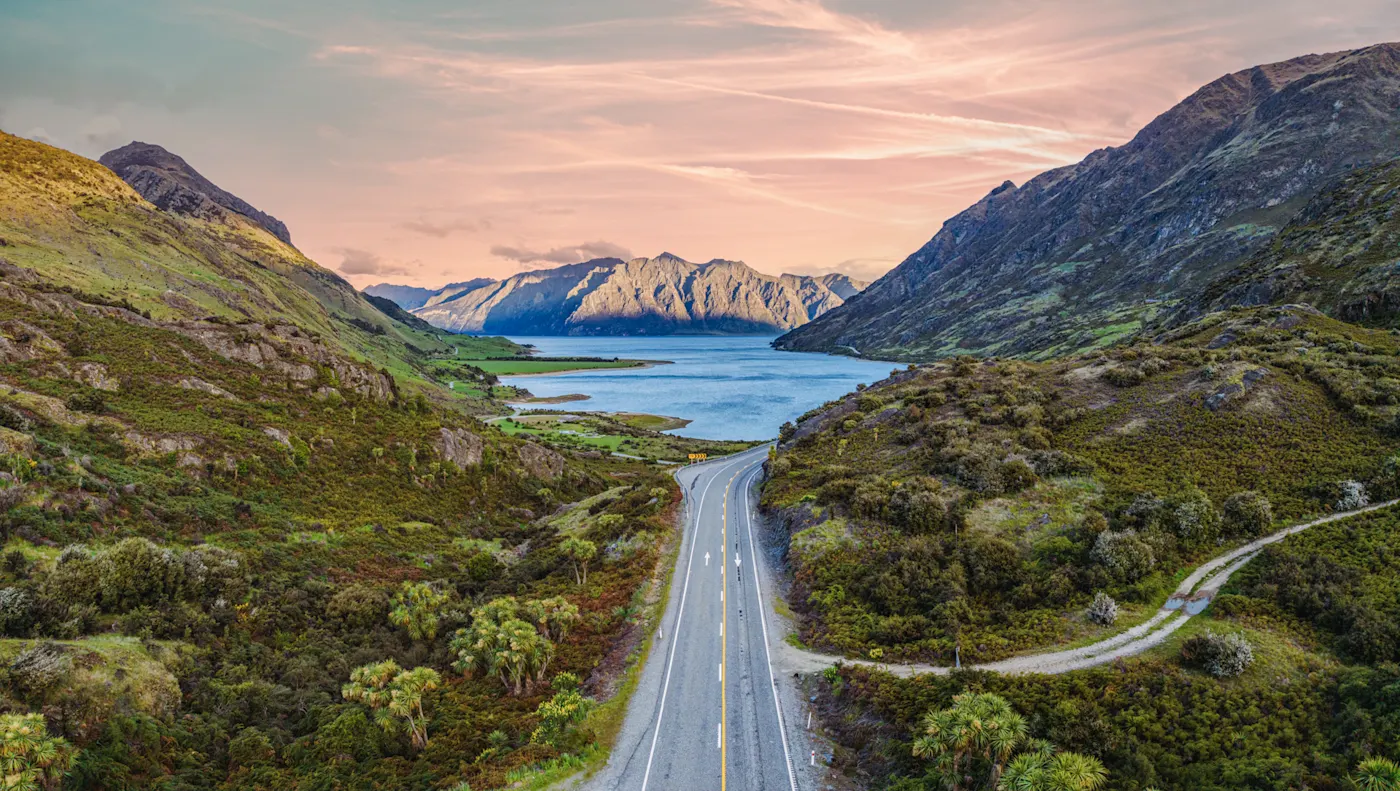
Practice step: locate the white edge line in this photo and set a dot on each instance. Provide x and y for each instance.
(763, 622)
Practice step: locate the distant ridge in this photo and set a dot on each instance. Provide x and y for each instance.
(665, 295)
(410, 297)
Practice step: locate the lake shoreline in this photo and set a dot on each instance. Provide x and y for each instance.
(640, 365)
(730, 388)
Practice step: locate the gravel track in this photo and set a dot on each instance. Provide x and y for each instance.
(1192, 596)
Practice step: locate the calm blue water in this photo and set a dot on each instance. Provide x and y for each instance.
(734, 387)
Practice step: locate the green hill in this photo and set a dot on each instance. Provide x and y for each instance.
(227, 481)
(964, 502)
(77, 225)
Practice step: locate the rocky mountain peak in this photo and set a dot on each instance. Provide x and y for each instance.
(169, 182)
(1084, 254)
(645, 296)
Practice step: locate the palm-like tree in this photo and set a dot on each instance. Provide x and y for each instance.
(553, 616)
(396, 696)
(406, 701)
(500, 643)
(1024, 772)
(30, 759)
(977, 725)
(1377, 774)
(1075, 772)
(1050, 771)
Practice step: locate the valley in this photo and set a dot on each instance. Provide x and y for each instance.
(1099, 488)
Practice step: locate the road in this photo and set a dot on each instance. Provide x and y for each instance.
(711, 710)
(708, 713)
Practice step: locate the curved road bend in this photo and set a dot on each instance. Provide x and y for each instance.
(706, 713)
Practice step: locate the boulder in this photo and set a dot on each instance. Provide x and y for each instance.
(461, 447)
(541, 462)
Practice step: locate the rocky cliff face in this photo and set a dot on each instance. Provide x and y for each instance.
(1338, 254)
(657, 296)
(171, 184)
(1083, 255)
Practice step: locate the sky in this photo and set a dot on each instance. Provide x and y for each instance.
(422, 142)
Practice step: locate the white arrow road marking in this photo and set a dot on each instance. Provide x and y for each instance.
(707, 558)
(736, 558)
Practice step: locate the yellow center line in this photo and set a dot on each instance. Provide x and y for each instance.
(724, 639)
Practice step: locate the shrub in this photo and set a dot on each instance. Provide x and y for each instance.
(1247, 514)
(1123, 553)
(38, 669)
(16, 563)
(1220, 655)
(350, 733)
(918, 509)
(1195, 519)
(1103, 611)
(358, 606)
(1353, 496)
(250, 748)
(559, 715)
(1016, 474)
(136, 572)
(17, 612)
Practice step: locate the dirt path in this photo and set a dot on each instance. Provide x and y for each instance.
(1190, 598)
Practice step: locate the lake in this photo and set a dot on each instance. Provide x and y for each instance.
(729, 387)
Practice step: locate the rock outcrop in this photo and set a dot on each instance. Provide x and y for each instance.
(1085, 254)
(461, 447)
(658, 296)
(1338, 255)
(541, 462)
(172, 185)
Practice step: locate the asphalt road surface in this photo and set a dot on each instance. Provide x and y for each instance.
(707, 712)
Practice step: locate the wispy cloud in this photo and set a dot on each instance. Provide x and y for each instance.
(568, 254)
(442, 230)
(354, 261)
(790, 133)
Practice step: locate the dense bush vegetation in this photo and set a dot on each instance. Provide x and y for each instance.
(1150, 723)
(982, 505)
(232, 576)
(1340, 581)
(1203, 713)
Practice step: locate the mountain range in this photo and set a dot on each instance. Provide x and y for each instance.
(664, 295)
(410, 297)
(1084, 255)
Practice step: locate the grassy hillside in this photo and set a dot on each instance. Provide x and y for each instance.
(201, 545)
(983, 504)
(78, 225)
